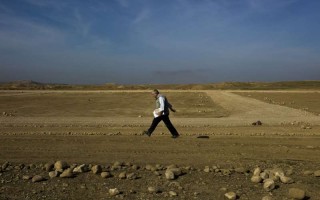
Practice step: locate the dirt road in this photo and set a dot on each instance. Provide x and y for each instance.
(233, 142)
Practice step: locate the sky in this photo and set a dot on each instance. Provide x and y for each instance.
(159, 41)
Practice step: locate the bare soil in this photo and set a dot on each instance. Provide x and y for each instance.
(101, 127)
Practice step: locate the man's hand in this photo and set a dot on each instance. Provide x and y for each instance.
(160, 113)
(173, 110)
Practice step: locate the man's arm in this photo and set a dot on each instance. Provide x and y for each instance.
(162, 102)
(170, 106)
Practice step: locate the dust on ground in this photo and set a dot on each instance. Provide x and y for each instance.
(103, 127)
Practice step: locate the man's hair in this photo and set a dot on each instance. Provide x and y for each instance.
(156, 91)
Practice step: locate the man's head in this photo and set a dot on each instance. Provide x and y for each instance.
(155, 93)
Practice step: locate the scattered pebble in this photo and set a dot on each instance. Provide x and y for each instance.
(114, 192)
(61, 165)
(37, 178)
(296, 193)
(230, 195)
(106, 174)
(268, 185)
(96, 169)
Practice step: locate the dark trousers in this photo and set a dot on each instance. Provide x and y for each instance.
(167, 122)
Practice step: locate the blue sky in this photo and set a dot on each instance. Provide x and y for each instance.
(159, 41)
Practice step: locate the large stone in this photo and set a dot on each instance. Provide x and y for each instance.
(37, 178)
(230, 195)
(286, 180)
(81, 168)
(67, 173)
(267, 198)
(53, 174)
(131, 176)
(48, 167)
(176, 171)
(148, 167)
(268, 185)
(114, 192)
(123, 175)
(153, 190)
(96, 169)
(206, 169)
(26, 177)
(264, 175)
(241, 170)
(106, 174)
(169, 175)
(317, 173)
(257, 171)
(61, 165)
(172, 194)
(296, 193)
(256, 179)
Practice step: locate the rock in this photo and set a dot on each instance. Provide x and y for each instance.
(264, 175)
(286, 180)
(240, 170)
(256, 179)
(176, 171)
(172, 166)
(268, 185)
(53, 174)
(317, 173)
(156, 173)
(61, 165)
(26, 177)
(289, 172)
(5, 165)
(296, 193)
(308, 172)
(122, 175)
(148, 167)
(207, 169)
(131, 176)
(67, 173)
(96, 169)
(106, 174)
(117, 164)
(48, 167)
(153, 190)
(226, 172)
(278, 172)
(114, 192)
(169, 175)
(135, 167)
(37, 178)
(267, 198)
(81, 168)
(172, 194)
(257, 171)
(230, 195)
(159, 167)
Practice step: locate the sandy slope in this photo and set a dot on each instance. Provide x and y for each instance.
(247, 109)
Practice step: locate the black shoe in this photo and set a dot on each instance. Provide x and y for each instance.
(175, 136)
(146, 133)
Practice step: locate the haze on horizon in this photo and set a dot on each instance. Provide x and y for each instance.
(159, 41)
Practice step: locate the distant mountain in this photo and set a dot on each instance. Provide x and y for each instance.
(32, 85)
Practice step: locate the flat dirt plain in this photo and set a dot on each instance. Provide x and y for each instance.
(105, 128)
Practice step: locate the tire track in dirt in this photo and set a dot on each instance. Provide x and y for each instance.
(249, 109)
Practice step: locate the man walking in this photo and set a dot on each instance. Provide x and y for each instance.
(162, 113)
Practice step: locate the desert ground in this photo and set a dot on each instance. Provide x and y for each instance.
(218, 155)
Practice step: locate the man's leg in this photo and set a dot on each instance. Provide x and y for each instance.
(169, 125)
(154, 124)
